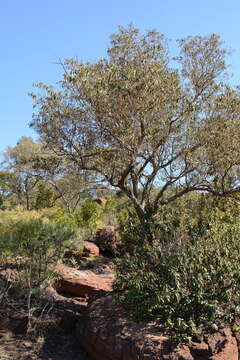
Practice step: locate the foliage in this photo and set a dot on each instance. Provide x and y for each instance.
(45, 196)
(32, 236)
(35, 177)
(88, 216)
(184, 284)
(176, 225)
(32, 244)
(113, 208)
(8, 188)
(142, 125)
(18, 162)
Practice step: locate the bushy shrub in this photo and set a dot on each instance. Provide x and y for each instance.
(186, 284)
(32, 243)
(175, 226)
(112, 209)
(88, 216)
(63, 218)
(36, 239)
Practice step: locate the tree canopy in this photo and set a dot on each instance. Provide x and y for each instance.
(142, 120)
(35, 177)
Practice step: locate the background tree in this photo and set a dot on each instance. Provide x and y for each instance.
(69, 183)
(142, 125)
(8, 187)
(37, 178)
(18, 162)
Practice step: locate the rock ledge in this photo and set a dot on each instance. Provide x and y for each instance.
(107, 333)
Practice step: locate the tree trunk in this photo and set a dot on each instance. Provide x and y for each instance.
(146, 221)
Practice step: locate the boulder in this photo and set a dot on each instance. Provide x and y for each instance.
(81, 283)
(106, 239)
(107, 333)
(90, 249)
(9, 275)
(223, 345)
(101, 201)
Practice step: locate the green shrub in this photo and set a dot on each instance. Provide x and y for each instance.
(62, 218)
(174, 226)
(36, 240)
(88, 216)
(33, 242)
(112, 209)
(186, 284)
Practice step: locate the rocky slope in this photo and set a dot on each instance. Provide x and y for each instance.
(107, 333)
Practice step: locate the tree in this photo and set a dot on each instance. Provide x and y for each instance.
(37, 177)
(142, 125)
(8, 185)
(18, 162)
(69, 183)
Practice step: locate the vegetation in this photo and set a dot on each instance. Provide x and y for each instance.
(160, 137)
(32, 242)
(35, 177)
(142, 125)
(190, 274)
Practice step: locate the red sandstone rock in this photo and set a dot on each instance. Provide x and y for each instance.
(80, 283)
(77, 304)
(226, 346)
(9, 275)
(183, 353)
(107, 333)
(106, 239)
(101, 201)
(90, 249)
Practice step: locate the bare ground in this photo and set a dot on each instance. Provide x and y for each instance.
(52, 336)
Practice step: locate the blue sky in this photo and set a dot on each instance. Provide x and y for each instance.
(35, 34)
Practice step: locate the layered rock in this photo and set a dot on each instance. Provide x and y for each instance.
(107, 333)
(101, 201)
(81, 283)
(9, 275)
(106, 239)
(90, 249)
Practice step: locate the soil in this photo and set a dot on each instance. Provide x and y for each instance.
(53, 334)
(52, 337)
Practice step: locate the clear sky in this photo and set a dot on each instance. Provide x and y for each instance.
(34, 34)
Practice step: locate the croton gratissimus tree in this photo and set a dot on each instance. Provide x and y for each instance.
(142, 124)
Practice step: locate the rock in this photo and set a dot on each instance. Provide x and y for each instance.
(106, 239)
(101, 201)
(223, 345)
(183, 353)
(48, 293)
(107, 333)
(200, 350)
(104, 266)
(90, 249)
(80, 283)
(9, 275)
